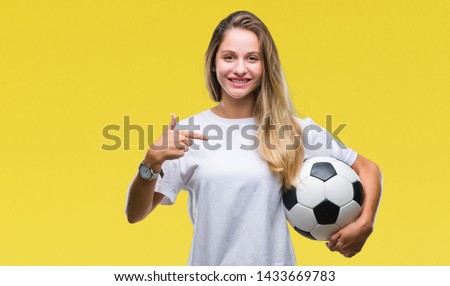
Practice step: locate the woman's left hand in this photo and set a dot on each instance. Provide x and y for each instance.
(350, 239)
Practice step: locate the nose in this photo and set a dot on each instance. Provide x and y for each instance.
(240, 68)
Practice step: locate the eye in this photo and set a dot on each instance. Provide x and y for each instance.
(253, 59)
(228, 58)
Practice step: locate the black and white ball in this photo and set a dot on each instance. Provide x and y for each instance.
(329, 196)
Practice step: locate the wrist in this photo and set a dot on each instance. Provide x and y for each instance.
(366, 223)
(153, 159)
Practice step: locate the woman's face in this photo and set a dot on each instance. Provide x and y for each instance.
(238, 63)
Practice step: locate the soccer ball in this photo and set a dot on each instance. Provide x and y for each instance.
(329, 196)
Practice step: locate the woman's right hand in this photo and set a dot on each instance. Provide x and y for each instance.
(172, 144)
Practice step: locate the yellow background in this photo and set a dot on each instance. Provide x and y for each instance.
(70, 68)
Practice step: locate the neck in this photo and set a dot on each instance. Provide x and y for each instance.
(231, 108)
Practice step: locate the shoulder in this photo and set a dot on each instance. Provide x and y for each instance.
(193, 122)
(197, 116)
(305, 122)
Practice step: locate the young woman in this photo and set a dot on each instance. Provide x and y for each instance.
(236, 158)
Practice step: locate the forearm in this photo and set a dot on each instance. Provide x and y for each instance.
(139, 199)
(371, 178)
(141, 194)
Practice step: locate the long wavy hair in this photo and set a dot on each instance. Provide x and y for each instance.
(279, 134)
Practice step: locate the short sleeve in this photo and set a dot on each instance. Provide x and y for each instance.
(171, 184)
(320, 142)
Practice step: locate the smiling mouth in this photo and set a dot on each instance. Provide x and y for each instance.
(239, 81)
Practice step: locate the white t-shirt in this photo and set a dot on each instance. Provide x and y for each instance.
(235, 203)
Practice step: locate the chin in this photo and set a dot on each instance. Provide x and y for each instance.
(240, 95)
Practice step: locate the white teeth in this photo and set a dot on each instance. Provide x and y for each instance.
(239, 81)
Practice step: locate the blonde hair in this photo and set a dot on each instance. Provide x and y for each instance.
(273, 107)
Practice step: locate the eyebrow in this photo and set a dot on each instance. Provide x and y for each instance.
(233, 52)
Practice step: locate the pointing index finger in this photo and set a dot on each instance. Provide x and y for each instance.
(194, 135)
